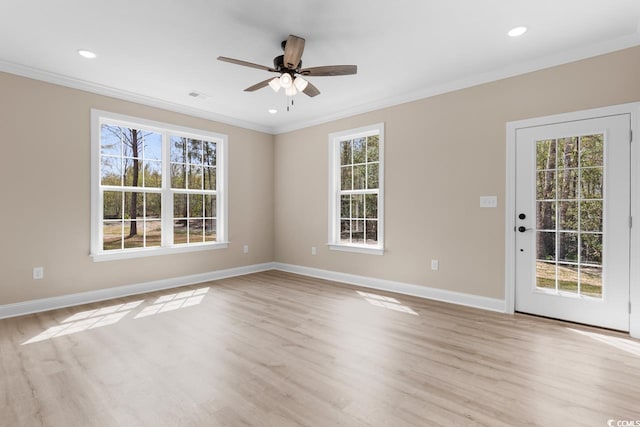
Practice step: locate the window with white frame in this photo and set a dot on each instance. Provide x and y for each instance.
(356, 197)
(156, 188)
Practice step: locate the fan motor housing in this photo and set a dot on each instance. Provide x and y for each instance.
(278, 64)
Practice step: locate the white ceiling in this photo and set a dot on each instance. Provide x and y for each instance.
(157, 51)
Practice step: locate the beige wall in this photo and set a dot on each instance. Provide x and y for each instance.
(442, 154)
(45, 195)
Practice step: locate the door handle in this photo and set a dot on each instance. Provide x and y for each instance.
(522, 229)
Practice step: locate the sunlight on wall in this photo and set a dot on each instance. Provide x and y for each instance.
(174, 302)
(623, 344)
(386, 302)
(85, 320)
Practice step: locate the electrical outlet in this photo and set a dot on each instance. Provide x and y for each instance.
(245, 249)
(314, 250)
(434, 264)
(38, 273)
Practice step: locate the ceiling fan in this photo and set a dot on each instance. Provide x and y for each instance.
(289, 66)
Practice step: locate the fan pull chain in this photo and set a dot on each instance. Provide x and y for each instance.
(289, 104)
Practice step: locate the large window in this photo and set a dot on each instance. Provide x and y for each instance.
(156, 188)
(356, 190)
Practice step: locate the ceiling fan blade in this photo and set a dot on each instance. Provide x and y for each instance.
(258, 85)
(293, 52)
(246, 64)
(311, 90)
(330, 70)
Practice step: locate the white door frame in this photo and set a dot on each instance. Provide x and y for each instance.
(510, 213)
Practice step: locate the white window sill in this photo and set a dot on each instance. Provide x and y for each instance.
(362, 249)
(146, 252)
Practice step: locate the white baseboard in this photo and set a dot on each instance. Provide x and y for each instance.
(459, 298)
(46, 304)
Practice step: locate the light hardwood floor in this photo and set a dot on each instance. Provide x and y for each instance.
(279, 349)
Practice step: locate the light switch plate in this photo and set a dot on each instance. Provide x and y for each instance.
(488, 201)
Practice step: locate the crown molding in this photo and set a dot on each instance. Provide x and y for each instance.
(494, 75)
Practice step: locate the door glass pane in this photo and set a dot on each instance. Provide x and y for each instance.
(569, 214)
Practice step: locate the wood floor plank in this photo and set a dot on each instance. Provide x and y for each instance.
(278, 349)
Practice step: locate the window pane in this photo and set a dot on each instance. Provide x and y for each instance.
(591, 281)
(591, 183)
(153, 205)
(591, 248)
(111, 235)
(132, 142)
(209, 153)
(133, 234)
(546, 216)
(546, 246)
(371, 206)
(373, 148)
(153, 146)
(110, 170)
(568, 278)
(194, 148)
(359, 177)
(592, 150)
(546, 154)
(132, 172)
(568, 215)
(546, 185)
(546, 275)
(568, 152)
(194, 177)
(179, 150)
(345, 231)
(152, 174)
(179, 231)
(591, 215)
(210, 230)
(178, 174)
(196, 230)
(346, 178)
(359, 150)
(133, 205)
(568, 247)
(153, 234)
(209, 178)
(568, 184)
(373, 176)
(357, 206)
(345, 153)
(345, 206)
(110, 143)
(195, 205)
(371, 232)
(179, 205)
(112, 205)
(357, 232)
(210, 206)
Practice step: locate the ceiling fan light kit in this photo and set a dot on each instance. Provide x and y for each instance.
(289, 66)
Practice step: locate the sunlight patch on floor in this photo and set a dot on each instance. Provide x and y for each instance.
(85, 320)
(386, 302)
(624, 344)
(174, 302)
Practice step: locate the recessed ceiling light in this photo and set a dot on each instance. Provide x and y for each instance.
(517, 31)
(86, 53)
(272, 111)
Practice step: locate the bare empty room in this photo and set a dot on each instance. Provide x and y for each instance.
(359, 213)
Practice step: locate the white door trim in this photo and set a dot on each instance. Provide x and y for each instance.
(510, 221)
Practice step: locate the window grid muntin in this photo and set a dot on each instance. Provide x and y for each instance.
(164, 189)
(578, 200)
